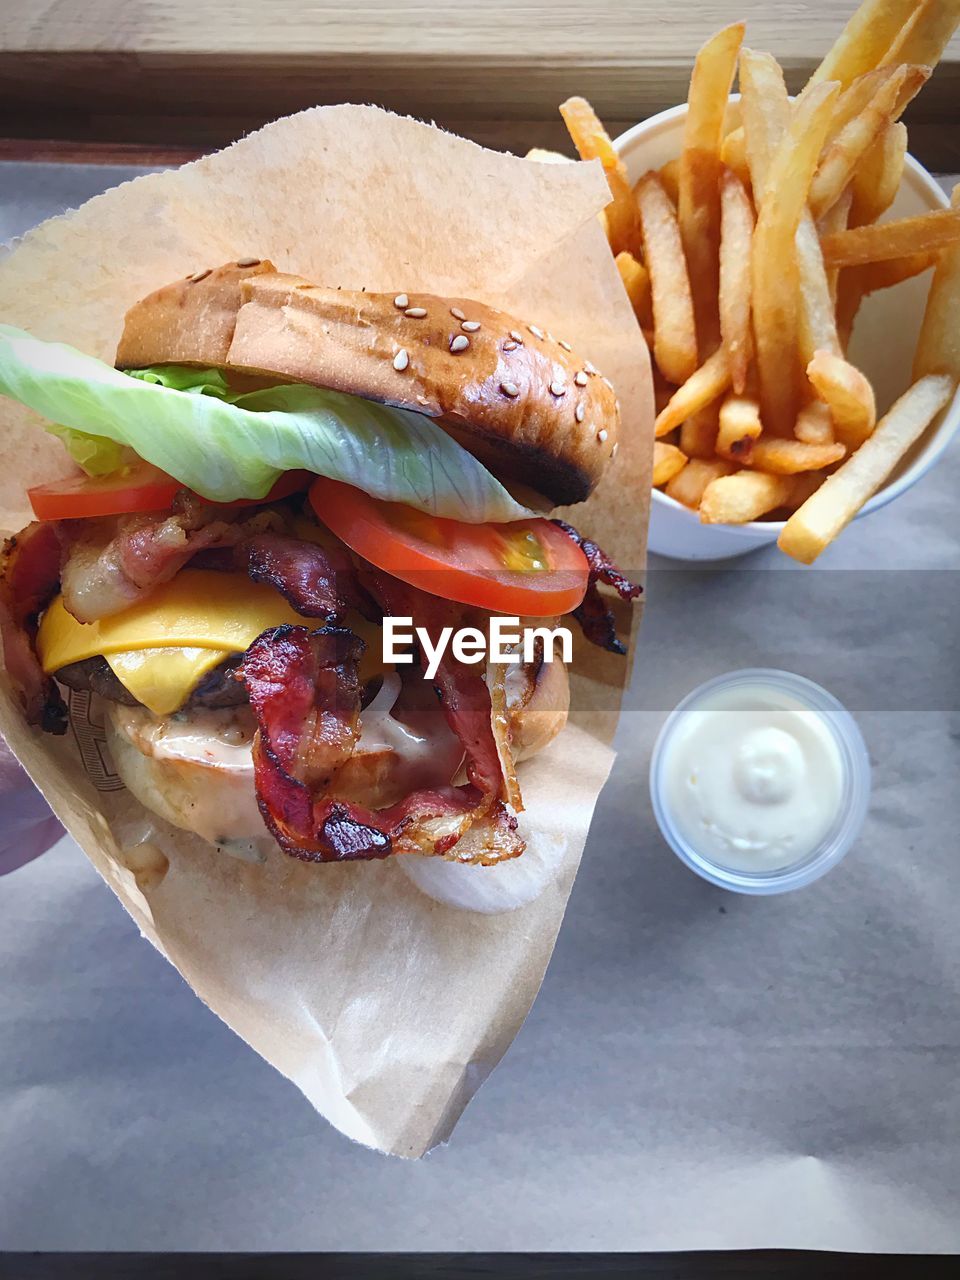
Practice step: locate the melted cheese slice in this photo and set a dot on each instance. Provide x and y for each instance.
(162, 647)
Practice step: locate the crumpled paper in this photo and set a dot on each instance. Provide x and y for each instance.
(388, 1010)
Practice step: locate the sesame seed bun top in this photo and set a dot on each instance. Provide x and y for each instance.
(512, 394)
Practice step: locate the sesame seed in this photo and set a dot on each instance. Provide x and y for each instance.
(415, 313)
(199, 275)
(510, 389)
(550, 337)
(557, 388)
(602, 434)
(459, 343)
(580, 412)
(457, 313)
(509, 346)
(588, 367)
(248, 262)
(537, 333)
(566, 345)
(470, 326)
(401, 301)
(517, 337)
(401, 360)
(580, 379)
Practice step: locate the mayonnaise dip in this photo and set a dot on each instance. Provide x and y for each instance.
(753, 778)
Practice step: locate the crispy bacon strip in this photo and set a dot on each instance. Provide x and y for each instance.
(320, 582)
(29, 578)
(595, 617)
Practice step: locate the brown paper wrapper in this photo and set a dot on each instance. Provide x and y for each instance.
(387, 1009)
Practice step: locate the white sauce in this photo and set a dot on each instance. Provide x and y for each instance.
(753, 779)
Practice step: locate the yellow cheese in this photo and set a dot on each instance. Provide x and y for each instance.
(198, 609)
(163, 679)
(162, 647)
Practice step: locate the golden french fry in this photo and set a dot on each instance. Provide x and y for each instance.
(698, 435)
(766, 111)
(668, 460)
(885, 240)
(636, 281)
(593, 143)
(736, 241)
(814, 526)
(670, 177)
(733, 153)
(866, 40)
(738, 428)
(700, 389)
(925, 37)
(674, 327)
(877, 178)
(775, 270)
(698, 199)
(856, 97)
(835, 219)
(742, 497)
(848, 394)
(853, 141)
(804, 486)
(790, 457)
(687, 486)
(814, 424)
(543, 155)
(817, 316)
(938, 347)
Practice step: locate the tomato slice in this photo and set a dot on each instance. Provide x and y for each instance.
(528, 568)
(141, 487)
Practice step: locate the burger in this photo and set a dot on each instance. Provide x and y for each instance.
(271, 468)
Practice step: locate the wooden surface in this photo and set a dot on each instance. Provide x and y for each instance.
(198, 73)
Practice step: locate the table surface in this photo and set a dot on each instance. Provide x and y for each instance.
(699, 1071)
(202, 74)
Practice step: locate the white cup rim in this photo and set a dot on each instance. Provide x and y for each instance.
(929, 455)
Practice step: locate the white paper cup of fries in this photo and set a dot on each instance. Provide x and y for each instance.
(797, 275)
(882, 346)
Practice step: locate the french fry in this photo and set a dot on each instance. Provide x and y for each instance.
(687, 486)
(543, 155)
(593, 143)
(925, 37)
(836, 218)
(866, 40)
(703, 386)
(739, 427)
(885, 240)
(813, 526)
(857, 97)
(698, 199)
(817, 314)
(733, 153)
(853, 141)
(775, 270)
(804, 486)
(790, 457)
(670, 177)
(938, 347)
(877, 178)
(745, 496)
(848, 394)
(814, 424)
(736, 240)
(668, 460)
(636, 281)
(698, 435)
(766, 111)
(674, 327)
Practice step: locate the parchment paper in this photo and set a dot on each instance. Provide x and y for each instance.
(386, 1009)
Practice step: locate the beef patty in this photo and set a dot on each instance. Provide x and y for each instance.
(218, 688)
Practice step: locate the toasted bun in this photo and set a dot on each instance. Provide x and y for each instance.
(205, 784)
(516, 397)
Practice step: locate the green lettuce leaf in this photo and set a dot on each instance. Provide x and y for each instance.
(226, 445)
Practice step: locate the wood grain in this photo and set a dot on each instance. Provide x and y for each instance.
(190, 73)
